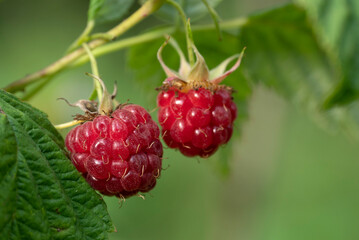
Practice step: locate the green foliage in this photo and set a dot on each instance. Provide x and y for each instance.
(283, 52)
(194, 9)
(337, 23)
(108, 10)
(43, 196)
(94, 8)
(307, 52)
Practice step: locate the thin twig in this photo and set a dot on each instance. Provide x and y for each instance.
(82, 58)
(83, 37)
(124, 43)
(150, 36)
(144, 11)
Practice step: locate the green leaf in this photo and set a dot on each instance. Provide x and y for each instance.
(43, 195)
(194, 9)
(337, 23)
(283, 53)
(94, 8)
(108, 10)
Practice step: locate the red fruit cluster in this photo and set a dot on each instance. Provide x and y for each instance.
(119, 154)
(198, 121)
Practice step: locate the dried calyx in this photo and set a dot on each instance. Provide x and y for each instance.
(91, 108)
(198, 76)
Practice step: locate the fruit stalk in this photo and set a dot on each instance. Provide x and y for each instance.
(97, 86)
(187, 28)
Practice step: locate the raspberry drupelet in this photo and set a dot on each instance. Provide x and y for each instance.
(119, 153)
(203, 122)
(195, 112)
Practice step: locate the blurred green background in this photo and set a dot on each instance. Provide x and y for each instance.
(289, 179)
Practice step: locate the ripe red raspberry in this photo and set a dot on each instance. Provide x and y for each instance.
(118, 154)
(195, 112)
(196, 122)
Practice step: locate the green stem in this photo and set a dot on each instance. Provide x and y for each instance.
(215, 18)
(189, 38)
(97, 86)
(127, 42)
(104, 36)
(225, 25)
(111, 47)
(187, 28)
(67, 125)
(144, 11)
(150, 36)
(83, 37)
(35, 90)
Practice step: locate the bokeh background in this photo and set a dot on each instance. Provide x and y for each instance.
(289, 179)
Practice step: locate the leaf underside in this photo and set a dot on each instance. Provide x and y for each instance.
(284, 53)
(337, 24)
(43, 195)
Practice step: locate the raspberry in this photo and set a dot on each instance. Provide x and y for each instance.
(203, 122)
(195, 112)
(119, 154)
